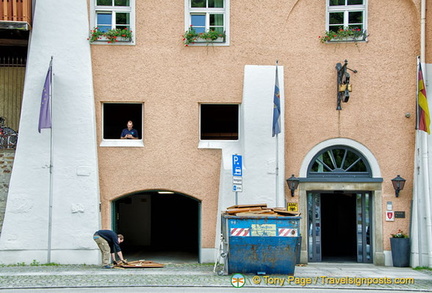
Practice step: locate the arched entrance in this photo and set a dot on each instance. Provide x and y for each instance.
(340, 196)
(159, 226)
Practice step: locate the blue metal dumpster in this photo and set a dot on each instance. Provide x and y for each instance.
(260, 245)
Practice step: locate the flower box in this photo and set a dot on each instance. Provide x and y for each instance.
(209, 37)
(110, 36)
(218, 40)
(343, 36)
(117, 40)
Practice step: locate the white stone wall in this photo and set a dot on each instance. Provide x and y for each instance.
(257, 146)
(6, 162)
(51, 218)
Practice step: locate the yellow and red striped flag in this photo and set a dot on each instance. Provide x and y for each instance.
(423, 117)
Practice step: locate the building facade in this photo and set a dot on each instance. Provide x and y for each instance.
(348, 125)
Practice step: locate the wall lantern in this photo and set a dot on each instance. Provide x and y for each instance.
(293, 183)
(398, 184)
(343, 83)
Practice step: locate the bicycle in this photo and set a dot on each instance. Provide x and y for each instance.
(8, 136)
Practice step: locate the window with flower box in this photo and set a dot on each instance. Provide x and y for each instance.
(113, 18)
(347, 19)
(208, 15)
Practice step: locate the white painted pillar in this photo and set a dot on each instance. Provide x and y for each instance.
(60, 29)
(256, 145)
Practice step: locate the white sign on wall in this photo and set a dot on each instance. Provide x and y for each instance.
(390, 216)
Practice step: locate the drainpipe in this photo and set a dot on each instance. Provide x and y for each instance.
(425, 155)
(422, 31)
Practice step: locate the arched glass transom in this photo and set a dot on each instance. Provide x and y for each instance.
(339, 161)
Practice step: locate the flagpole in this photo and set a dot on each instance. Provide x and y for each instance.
(425, 137)
(425, 160)
(426, 192)
(277, 141)
(416, 222)
(277, 169)
(50, 211)
(426, 195)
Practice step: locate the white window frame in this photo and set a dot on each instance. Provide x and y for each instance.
(346, 9)
(207, 11)
(106, 142)
(94, 10)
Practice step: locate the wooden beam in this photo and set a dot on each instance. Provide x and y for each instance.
(141, 264)
(13, 42)
(264, 205)
(14, 4)
(4, 11)
(26, 11)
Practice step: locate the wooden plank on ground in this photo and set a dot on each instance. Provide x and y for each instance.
(141, 264)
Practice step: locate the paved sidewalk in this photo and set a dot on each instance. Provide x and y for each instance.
(315, 275)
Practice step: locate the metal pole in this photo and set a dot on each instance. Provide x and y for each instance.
(50, 210)
(277, 143)
(277, 169)
(424, 136)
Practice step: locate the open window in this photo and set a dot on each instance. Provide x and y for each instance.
(115, 118)
(219, 122)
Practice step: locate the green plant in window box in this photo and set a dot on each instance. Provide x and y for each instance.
(344, 35)
(95, 34)
(112, 35)
(118, 34)
(192, 37)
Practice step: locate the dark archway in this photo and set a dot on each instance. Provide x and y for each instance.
(159, 226)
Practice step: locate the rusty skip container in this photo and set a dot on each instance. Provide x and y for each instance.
(260, 245)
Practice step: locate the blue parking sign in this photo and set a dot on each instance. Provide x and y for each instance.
(237, 165)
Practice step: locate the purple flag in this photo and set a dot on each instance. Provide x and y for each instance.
(45, 109)
(276, 108)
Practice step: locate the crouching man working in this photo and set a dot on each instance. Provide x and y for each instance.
(109, 243)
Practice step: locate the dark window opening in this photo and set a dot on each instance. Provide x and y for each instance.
(219, 122)
(116, 116)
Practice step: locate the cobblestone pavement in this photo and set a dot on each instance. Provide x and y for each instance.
(317, 275)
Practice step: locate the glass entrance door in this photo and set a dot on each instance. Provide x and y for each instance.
(339, 226)
(314, 227)
(364, 220)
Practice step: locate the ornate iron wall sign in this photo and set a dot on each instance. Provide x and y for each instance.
(343, 84)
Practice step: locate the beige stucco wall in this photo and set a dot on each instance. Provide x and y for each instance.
(383, 91)
(171, 80)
